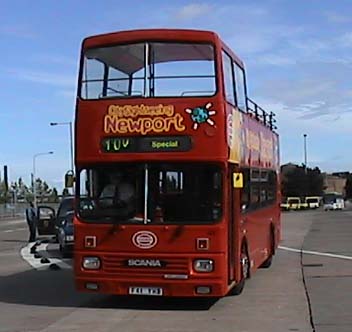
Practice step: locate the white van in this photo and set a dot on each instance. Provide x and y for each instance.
(334, 202)
(312, 202)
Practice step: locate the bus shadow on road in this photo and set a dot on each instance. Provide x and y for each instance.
(56, 289)
(156, 303)
(46, 288)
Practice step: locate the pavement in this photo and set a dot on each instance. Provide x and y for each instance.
(329, 280)
(300, 292)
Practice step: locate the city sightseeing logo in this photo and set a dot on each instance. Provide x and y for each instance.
(201, 114)
(142, 119)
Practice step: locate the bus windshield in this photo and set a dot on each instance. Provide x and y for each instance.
(162, 69)
(331, 198)
(168, 193)
(312, 200)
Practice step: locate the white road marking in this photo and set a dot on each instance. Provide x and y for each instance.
(42, 250)
(29, 258)
(14, 230)
(308, 252)
(12, 222)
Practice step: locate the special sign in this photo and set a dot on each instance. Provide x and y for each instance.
(146, 144)
(142, 119)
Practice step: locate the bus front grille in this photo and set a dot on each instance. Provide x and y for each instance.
(156, 266)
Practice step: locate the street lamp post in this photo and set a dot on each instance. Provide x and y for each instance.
(71, 140)
(34, 187)
(305, 151)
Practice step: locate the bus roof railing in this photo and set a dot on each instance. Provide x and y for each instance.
(268, 119)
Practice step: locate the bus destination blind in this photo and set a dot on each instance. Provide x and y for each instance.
(146, 144)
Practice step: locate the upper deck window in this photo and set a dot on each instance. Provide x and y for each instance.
(240, 87)
(228, 79)
(148, 70)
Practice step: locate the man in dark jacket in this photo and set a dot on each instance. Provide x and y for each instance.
(31, 218)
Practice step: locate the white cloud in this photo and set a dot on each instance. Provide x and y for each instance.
(45, 77)
(55, 59)
(324, 141)
(69, 94)
(17, 31)
(192, 11)
(346, 39)
(334, 17)
(273, 60)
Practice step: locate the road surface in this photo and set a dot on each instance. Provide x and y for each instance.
(302, 291)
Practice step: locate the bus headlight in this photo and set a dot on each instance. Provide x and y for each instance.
(203, 265)
(91, 263)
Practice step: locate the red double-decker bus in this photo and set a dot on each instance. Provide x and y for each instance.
(176, 169)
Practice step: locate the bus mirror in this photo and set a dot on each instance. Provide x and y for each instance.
(69, 179)
(238, 180)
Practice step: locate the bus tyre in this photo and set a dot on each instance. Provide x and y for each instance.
(237, 289)
(267, 263)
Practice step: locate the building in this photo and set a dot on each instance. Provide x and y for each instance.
(334, 183)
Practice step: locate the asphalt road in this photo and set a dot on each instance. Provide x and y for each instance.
(300, 292)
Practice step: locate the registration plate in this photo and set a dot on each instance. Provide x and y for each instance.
(151, 291)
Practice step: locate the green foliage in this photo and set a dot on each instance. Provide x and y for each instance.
(299, 182)
(20, 192)
(65, 192)
(54, 195)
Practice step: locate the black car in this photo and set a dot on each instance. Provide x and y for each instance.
(66, 205)
(49, 221)
(66, 235)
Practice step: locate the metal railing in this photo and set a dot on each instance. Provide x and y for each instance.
(268, 119)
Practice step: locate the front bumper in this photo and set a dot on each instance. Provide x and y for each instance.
(173, 288)
(176, 278)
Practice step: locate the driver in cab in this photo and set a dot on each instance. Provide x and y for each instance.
(119, 192)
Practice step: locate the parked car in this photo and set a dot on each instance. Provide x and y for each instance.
(291, 203)
(66, 235)
(336, 203)
(66, 205)
(49, 221)
(312, 202)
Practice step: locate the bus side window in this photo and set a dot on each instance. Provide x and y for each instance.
(245, 193)
(240, 87)
(272, 187)
(255, 188)
(228, 79)
(255, 195)
(264, 187)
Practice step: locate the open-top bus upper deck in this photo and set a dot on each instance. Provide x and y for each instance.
(159, 94)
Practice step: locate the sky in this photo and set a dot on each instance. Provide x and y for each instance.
(297, 55)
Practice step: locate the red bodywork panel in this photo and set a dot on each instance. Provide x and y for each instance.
(230, 137)
(93, 115)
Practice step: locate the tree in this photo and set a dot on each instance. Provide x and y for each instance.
(348, 187)
(42, 189)
(65, 192)
(299, 182)
(19, 190)
(54, 196)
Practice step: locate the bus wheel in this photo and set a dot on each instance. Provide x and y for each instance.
(267, 263)
(237, 290)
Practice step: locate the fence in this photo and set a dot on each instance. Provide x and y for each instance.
(18, 210)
